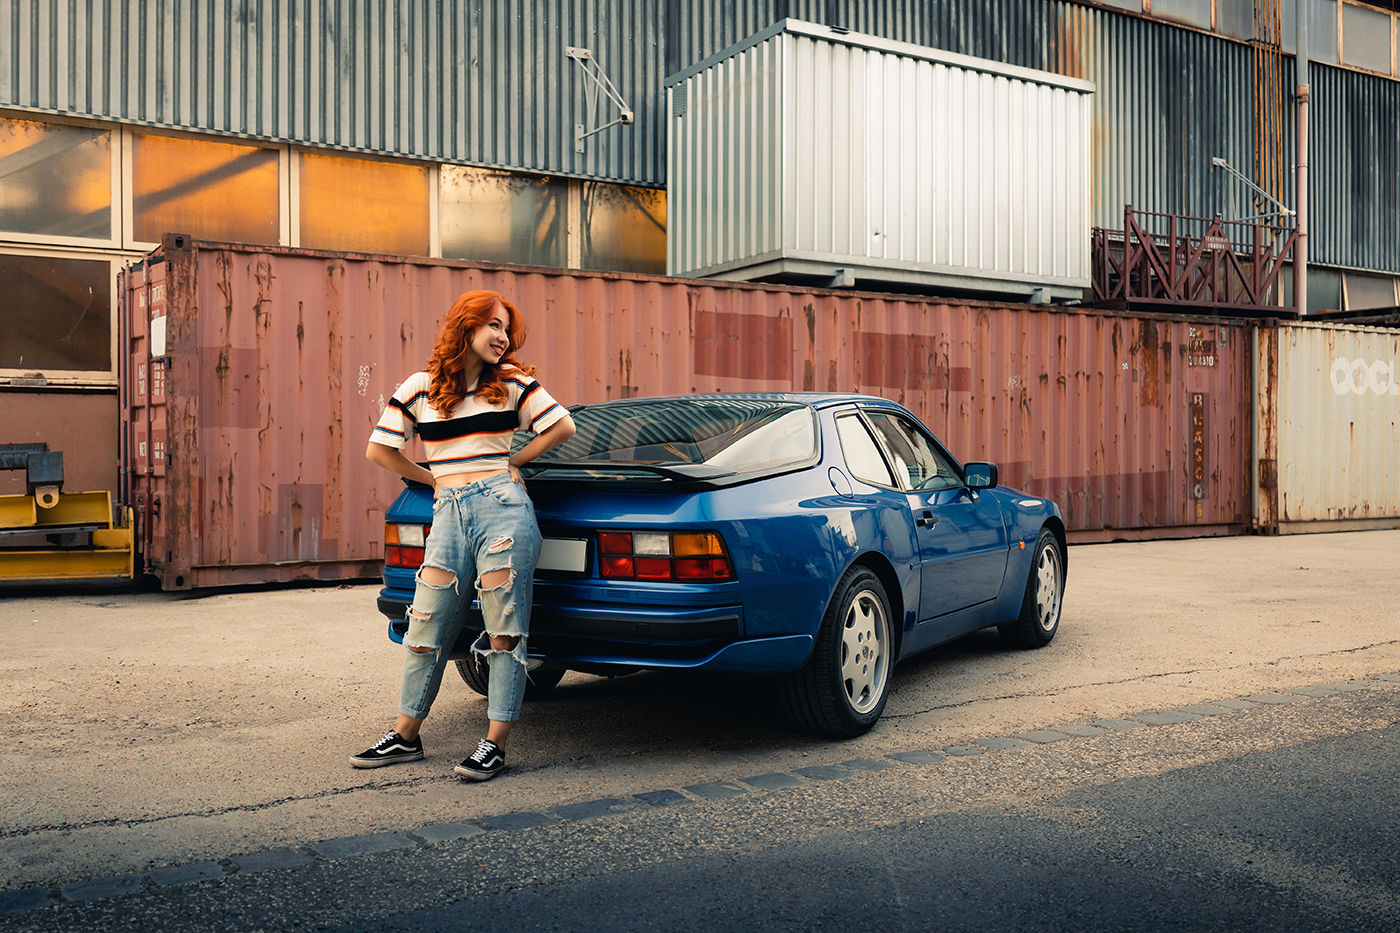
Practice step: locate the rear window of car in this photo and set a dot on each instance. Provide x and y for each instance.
(730, 435)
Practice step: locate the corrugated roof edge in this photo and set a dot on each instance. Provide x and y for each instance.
(185, 242)
(836, 34)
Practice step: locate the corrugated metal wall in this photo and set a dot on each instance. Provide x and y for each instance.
(487, 82)
(1355, 170)
(479, 81)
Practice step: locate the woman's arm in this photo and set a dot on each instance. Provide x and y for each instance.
(552, 436)
(393, 459)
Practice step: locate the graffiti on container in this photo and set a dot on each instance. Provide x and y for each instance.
(1357, 377)
(1200, 346)
(1198, 449)
(362, 383)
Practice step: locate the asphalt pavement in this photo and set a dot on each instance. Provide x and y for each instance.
(181, 760)
(1290, 824)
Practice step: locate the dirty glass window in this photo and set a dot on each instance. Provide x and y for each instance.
(917, 465)
(624, 228)
(862, 456)
(57, 314)
(1366, 38)
(363, 205)
(1194, 12)
(735, 435)
(1322, 29)
(502, 216)
(55, 180)
(1365, 292)
(215, 190)
(1235, 18)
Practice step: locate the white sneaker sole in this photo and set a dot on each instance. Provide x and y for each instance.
(381, 762)
(471, 775)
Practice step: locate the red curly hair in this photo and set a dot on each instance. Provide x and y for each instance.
(447, 364)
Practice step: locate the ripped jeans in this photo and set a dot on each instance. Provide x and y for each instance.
(482, 527)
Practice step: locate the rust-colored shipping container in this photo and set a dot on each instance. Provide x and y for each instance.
(253, 376)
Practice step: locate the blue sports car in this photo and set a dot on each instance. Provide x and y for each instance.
(818, 538)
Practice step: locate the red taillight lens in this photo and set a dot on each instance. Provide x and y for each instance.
(690, 557)
(614, 542)
(653, 568)
(403, 545)
(703, 568)
(621, 567)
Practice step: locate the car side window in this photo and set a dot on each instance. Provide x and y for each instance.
(862, 456)
(917, 465)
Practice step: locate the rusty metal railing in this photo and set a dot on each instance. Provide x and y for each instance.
(1190, 262)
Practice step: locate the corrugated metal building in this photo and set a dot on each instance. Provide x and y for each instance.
(464, 129)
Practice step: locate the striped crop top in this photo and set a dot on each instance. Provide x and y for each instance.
(477, 435)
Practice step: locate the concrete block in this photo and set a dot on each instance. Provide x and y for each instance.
(663, 798)
(590, 809)
(270, 858)
(446, 832)
(100, 888)
(362, 845)
(822, 773)
(771, 781)
(184, 874)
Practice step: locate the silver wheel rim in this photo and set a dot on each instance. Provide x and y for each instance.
(865, 651)
(1047, 588)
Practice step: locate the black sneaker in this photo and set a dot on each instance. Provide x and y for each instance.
(390, 750)
(484, 763)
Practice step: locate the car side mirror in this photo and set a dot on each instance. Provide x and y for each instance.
(980, 475)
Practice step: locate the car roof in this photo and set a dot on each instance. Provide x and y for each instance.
(815, 399)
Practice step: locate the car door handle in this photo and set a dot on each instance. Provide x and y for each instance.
(927, 520)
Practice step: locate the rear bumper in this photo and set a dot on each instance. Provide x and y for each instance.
(628, 637)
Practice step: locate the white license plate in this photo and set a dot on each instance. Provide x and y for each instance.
(567, 554)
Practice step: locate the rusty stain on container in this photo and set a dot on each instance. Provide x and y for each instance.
(278, 363)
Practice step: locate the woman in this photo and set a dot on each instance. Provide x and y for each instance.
(466, 408)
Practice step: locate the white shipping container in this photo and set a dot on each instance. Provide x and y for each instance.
(1338, 426)
(807, 151)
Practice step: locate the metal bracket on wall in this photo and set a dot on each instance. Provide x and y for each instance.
(596, 80)
(1239, 176)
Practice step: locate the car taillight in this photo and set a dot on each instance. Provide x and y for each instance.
(686, 557)
(403, 544)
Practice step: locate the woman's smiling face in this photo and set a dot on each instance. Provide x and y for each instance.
(491, 340)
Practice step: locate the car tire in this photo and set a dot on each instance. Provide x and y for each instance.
(540, 681)
(1039, 618)
(841, 691)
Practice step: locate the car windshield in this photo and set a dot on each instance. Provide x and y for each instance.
(723, 435)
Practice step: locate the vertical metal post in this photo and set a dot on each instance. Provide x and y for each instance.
(1300, 247)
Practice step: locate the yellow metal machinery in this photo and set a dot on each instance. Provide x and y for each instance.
(49, 536)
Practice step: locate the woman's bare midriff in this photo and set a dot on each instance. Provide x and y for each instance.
(466, 479)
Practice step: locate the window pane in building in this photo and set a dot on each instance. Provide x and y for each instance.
(1365, 38)
(624, 228)
(215, 190)
(363, 205)
(1322, 29)
(502, 216)
(1235, 18)
(1368, 292)
(56, 315)
(55, 180)
(1195, 12)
